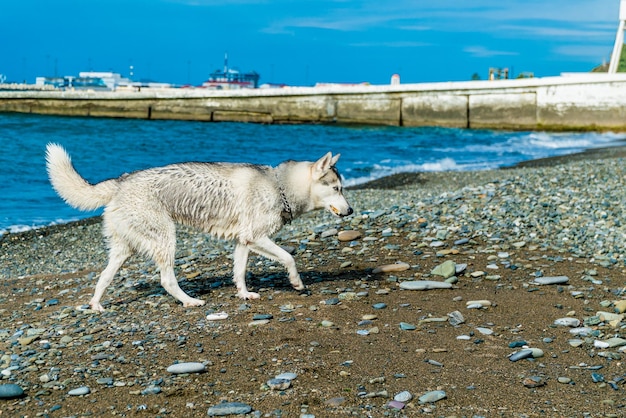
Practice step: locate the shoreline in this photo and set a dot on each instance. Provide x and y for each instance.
(429, 179)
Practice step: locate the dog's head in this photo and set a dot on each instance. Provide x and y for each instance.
(327, 189)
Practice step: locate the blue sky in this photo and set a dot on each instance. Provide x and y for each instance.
(301, 42)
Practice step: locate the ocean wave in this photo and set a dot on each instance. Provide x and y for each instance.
(378, 171)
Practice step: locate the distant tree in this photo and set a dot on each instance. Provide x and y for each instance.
(621, 66)
(476, 76)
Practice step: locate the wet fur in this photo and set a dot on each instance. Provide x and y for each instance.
(241, 202)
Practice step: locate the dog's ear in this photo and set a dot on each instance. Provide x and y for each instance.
(327, 161)
(324, 164)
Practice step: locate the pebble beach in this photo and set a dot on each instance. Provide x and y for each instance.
(457, 294)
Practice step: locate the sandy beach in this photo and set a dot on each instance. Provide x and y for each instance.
(530, 321)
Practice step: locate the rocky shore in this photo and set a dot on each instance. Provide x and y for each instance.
(495, 293)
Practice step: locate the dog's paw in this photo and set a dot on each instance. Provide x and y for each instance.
(95, 306)
(299, 286)
(248, 295)
(193, 302)
(305, 292)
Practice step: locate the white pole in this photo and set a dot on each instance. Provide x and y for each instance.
(619, 39)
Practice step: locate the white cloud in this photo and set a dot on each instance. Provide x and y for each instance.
(558, 32)
(585, 52)
(449, 15)
(391, 44)
(482, 52)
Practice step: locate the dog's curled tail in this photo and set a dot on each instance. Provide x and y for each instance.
(74, 189)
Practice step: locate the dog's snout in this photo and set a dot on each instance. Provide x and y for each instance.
(348, 212)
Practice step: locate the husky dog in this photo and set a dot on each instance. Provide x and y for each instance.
(241, 202)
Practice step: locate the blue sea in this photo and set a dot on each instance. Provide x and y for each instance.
(107, 148)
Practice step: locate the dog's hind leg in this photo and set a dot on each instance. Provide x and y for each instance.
(161, 246)
(239, 272)
(118, 253)
(267, 248)
(170, 284)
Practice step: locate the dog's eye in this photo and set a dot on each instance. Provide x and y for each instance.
(336, 188)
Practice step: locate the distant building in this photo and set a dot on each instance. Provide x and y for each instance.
(56, 82)
(229, 79)
(96, 80)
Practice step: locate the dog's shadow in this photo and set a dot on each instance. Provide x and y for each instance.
(203, 287)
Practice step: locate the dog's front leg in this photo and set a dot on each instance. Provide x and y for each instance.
(239, 272)
(267, 248)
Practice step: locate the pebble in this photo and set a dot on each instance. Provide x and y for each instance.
(424, 285)
(189, 367)
(258, 322)
(10, 391)
(329, 233)
(522, 354)
(432, 396)
(279, 384)
(581, 331)
(456, 318)
(395, 404)
(446, 269)
(404, 396)
(551, 280)
(83, 390)
(405, 326)
(567, 322)
(526, 353)
(218, 316)
(287, 376)
(229, 408)
(388, 268)
(533, 381)
(477, 304)
(484, 331)
(349, 235)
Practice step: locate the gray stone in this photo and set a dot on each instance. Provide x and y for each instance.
(279, 384)
(11, 391)
(424, 285)
(522, 354)
(83, 390)
(433, 396)
(287, 376)
(404, 396)
(551, 280)
(405, 326)
(456, 318)
(151, 390)
(567, 322)
(189, 367)
(445, 270)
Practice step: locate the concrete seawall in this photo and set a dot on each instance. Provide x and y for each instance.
(575, 102)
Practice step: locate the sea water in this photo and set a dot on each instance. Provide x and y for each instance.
(107, 148)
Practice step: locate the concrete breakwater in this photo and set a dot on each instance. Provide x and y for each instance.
(570, 102)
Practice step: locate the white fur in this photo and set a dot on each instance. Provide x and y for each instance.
(241, 202)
